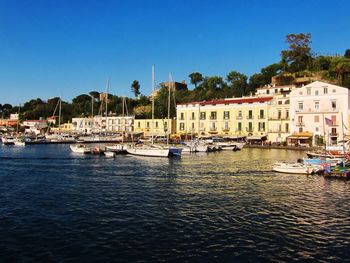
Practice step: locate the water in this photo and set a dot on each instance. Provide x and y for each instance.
(56, 206)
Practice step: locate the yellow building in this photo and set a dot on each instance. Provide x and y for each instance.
(231, 117)
(156, 127)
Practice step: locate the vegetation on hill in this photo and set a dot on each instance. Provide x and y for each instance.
(298, 64)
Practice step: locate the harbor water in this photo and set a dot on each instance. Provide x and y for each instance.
(56, 206)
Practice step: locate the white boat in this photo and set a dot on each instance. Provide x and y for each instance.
(148, 150)
(19, 142)
(8, 140)
(109, 154)
(80, 148)
(294, 168)
(116, 148)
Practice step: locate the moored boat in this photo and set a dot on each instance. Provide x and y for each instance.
(294, 168)
(80, 148)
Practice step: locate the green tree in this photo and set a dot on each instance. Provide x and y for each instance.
(238, 83)
(195, 78)
(6, 109)
(298, 57)
(347, 53)
(135, 88)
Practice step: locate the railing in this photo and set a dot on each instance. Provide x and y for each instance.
(300, 124)
(226, 129)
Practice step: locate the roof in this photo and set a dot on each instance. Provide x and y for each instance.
(230, 101)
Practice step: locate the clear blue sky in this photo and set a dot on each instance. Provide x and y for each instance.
(64, 48)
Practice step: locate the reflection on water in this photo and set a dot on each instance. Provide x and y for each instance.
(225, 206)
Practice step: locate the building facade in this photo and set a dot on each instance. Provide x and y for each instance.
(155, 127)
(231, 117)
(322, 110)
(113, 124)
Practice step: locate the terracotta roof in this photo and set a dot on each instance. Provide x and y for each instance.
(229, 101)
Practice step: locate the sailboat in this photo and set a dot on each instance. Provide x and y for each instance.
(149, 150)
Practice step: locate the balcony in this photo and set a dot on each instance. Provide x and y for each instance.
(333, 134)
(261, 116)
(201, 129)
(249, 129)
(300, 124)
(226, 129)
(212, 117)
(213, 129)
(249, 117)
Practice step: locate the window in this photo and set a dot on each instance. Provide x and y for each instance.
(316, 118)
(182, 126)
(334, 131)
(300, 119)
(317, 105)
(261, 126)
(202, 115)
(138, 124)
(334, 119)
(334, 91)
(147, 124)
(334, 105)
(226, 126)
(279, 102)
(287, 127)
(226, 115)
(192, 125)
(287, 114)
(250, 114)
(182, 116)
(300, 106)
(325, 90)
(156, 124)
(213, 115)
(267, 91)
(239, 126)
(239, 114)
(250, 126)
(308, 91)
(261, 114)
(279, 114)
(316, 92)
(192, 116)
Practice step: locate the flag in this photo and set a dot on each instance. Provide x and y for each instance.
(328, 121)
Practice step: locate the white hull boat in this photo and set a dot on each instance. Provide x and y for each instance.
(294, 168)
(109, 154)
(149, 151)
(20, 143)
(80, 148)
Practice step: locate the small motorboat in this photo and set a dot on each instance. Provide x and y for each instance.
(80, 148)
(295, 168)
(109, 154)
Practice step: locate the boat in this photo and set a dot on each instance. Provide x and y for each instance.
(19, 142)
(116, 148)
(148, 150)
(295, 168)
(109, 154)
(80, 148)
(8, 140)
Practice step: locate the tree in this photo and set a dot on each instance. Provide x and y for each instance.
(5, 109)
(95, 94)
(347, 53)
(298, 57)
(238, 83)
(195, 78)
(135, 88)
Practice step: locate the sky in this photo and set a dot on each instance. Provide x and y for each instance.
(51, 48)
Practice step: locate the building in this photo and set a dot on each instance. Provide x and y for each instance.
(155, 127)
(240, 117)
(318, 112)
(113, 124)
(278, 112)
(35, 126)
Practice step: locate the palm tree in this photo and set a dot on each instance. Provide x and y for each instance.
(135, 88)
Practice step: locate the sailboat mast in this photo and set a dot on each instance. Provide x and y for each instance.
(168, 125)
(152, 103)
(107, 105)
(59, 115)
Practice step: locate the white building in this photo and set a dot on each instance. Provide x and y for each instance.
(114, 124)
(35, 126)
(320, 109)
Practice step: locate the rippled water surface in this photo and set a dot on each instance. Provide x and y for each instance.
(56, 206)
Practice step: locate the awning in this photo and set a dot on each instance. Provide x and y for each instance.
(299, 138)
(257, 137)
